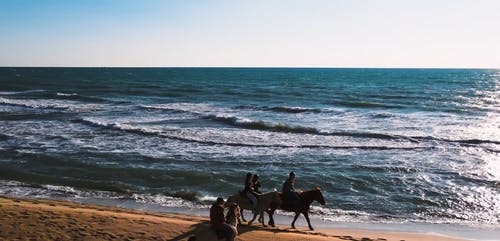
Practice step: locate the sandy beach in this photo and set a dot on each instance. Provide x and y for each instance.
(41, 219)
(344, 120)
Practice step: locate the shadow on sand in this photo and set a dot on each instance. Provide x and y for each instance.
(202, 231)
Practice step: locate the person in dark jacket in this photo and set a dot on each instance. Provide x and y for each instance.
(291, 197)
(256, 183)
(249, 191)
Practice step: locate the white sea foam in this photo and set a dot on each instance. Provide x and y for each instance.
(165, 201)
(51, 104)
(19, 92)
(66, 94)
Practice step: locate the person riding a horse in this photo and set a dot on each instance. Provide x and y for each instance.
(290, 196)
(249, 192)
(256, 183)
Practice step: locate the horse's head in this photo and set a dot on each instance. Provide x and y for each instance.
(318, 196)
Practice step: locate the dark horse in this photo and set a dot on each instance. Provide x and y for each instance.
(307, 197)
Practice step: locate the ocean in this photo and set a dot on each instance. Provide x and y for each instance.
(384, 145)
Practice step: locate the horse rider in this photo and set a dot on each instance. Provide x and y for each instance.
(249, 190)
(291, 197)
(218, 221)
(256, 183)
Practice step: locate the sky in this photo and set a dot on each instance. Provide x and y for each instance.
(253, 33)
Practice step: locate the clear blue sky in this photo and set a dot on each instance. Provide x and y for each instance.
(308, 33)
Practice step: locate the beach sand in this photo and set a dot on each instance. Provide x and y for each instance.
(42, 219)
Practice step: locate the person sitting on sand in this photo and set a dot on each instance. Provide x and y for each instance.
(233, 216)
(249, 191)
(291, 198)
(256, 183)
(218, 221)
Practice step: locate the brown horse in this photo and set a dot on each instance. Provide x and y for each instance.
(307, 197)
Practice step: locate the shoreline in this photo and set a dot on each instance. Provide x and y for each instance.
(48, 219)
(465, 231)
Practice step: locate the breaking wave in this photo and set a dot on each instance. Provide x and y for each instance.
(178, 134)
(49, 104)
(78, 97)
(20, 92)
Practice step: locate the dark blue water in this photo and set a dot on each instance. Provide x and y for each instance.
(389, 145)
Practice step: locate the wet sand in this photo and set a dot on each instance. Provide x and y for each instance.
(41, 219)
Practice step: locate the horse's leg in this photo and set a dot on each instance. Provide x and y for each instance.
(306, 214)
(261, 219)
(253, 219)
(271, 219)
(272, 208)
(295, 219)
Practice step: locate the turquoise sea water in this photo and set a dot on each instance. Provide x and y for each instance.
(385, 145)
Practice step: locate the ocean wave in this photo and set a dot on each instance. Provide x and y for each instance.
(63, 189)
(181, 199)
(340, 215)
(49, 104)
(165, 201)
(78, 97)
(202, 108)
(382, 115)
(194, 108)
(64, 94)
(364, 104)
(261, 125)
(475, 141)
(207, 111)
(244, 123)
(20, 92)
(20, 189)
(32, 115)
(178, 134)
(225, 116)
(293, 110)
(283, 109)
(117, 126)
(460, 141)
(31, 103)
(279, 127)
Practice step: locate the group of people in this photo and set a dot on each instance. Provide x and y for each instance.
(219, 222)
(251, 191)
(252, 188)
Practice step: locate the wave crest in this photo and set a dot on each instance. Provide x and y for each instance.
(261, 125)
(78, 97)
(49, 104)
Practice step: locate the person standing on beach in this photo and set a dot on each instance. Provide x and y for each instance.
(291, 197)
(218, 221)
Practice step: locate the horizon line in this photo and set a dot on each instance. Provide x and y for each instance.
(253, 67)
